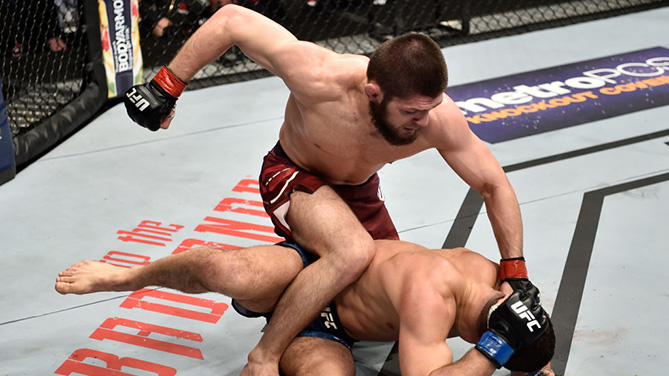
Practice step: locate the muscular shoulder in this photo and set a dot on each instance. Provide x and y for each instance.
(430, 287)
(328, 75)
(475, 266)
(448, 127)
(423, 269)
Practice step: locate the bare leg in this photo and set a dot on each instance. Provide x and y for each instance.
(323, 223)
(257, 276)
(308, 356)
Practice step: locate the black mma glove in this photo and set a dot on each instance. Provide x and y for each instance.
(514, 324)
(514, 272)
(148, 104)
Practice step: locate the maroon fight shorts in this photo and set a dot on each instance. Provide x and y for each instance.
(280, 177)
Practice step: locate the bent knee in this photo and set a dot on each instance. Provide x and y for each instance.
(352, 261)
(362, 253)
(317, 356)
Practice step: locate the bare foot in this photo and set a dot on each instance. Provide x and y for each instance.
(92, 276)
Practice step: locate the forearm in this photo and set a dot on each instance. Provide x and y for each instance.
(471, 159)
(504, 214)
(256, 35)
(473, 364)
(209, 42)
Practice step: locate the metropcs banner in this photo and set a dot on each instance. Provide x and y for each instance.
(121, 53)
(530, 103)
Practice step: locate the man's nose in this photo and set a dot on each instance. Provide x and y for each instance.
(421, 119)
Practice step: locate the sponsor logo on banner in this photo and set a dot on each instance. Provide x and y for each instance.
(121, 55)
(530, 103)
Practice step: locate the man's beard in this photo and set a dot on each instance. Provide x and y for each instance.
(390, 134)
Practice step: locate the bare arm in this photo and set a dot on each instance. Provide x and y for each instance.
(425, 321)
(229, 26)
(260, 38)
(471, 159)
(473, 363)
(427, 310)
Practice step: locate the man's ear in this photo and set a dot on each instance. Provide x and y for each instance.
(373, 92)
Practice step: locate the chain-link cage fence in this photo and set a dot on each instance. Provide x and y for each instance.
(43, 58)
(44, 53)
(359, 26)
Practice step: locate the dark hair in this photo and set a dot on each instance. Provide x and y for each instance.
(411, 64)
(534, 357)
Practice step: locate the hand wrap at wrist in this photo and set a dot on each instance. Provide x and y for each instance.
(495, 348)
(512, 268)
(169, 82)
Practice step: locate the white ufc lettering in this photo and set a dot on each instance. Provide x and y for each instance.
(137, 99)
(525, 313)
(329, 319)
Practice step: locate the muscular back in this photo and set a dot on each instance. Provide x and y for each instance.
(369, 309)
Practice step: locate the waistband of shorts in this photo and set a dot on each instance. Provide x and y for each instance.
(344, 334)
(278, 150)
(307, 259)
(248, 313)
(340, 335)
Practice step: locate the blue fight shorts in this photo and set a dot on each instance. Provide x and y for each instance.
(326, 325)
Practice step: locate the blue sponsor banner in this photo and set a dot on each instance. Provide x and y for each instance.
(530, 103)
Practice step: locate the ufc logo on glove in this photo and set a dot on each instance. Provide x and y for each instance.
(525, 313)
(137, 99)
